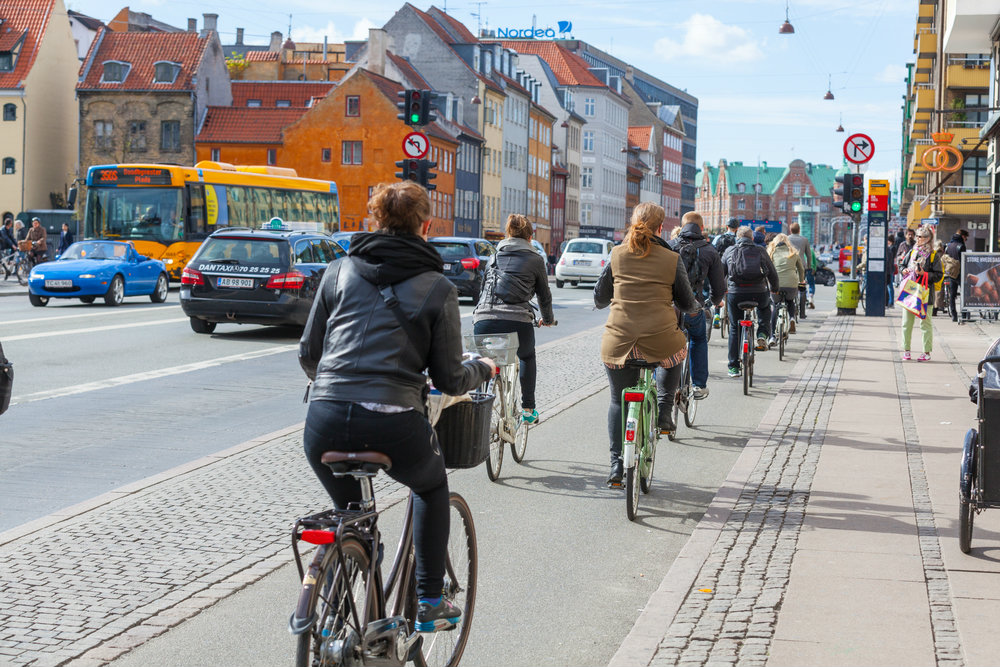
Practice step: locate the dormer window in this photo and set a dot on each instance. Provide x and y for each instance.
(115, 71)
(6, 61)
(283, 104)
(741, 187)
(165, 71)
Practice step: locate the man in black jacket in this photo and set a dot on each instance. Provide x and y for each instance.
(727, 240)
(751, 276)
(954, 249)
(709, 277)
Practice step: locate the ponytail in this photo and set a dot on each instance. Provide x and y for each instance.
(646, 221)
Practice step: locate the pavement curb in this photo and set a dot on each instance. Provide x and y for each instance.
(642, 642)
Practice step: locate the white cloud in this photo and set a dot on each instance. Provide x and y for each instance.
(892, 74)
(708, 39)
(330, 31)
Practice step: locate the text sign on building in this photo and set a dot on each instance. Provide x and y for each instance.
(878, 195)
(531, 32)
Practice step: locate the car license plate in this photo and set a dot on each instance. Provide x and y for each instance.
(447, 267)
(242, 283)
(581, 262)
(58, 283)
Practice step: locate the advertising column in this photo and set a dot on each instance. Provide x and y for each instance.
(878, 269)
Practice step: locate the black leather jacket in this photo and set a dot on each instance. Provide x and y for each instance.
(7, 241)
(518, 259)
(353, 347)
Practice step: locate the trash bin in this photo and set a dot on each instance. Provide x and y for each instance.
(848, 294)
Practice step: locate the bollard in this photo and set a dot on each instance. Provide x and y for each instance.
(848, 295)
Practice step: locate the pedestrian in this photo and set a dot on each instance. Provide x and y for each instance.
(751, 277)
(642, 282)
(904, 247)
(382, 317)
(760, 236)
(65, 239)
(708, 282)
(791, 273)
(514, 276)
(20, 233)
(919, 261)
(37, 235)
(7, 240)
(809, 260)
(727, 239)
(952, 265)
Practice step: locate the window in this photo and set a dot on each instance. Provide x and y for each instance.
(272, 156)
(216, 155)
(103, 135)
(741, 187)
(353, 105)
(8, 165)
(304, 252)
(170, 135)
(6, 61)
(588, 141)
(781, 206)
(325, 155)
(589, 106)
(351, 152)
(10, 112)
(797, 189)
(283, 104)
(741, 204)
(974, 173)
(165, 72)
(586, 213)
(587, 177)
(115, 72)
(253, 103)
(137, 136)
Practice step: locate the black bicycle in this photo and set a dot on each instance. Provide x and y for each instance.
(344, 616)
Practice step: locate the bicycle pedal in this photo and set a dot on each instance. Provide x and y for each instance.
(666, 432)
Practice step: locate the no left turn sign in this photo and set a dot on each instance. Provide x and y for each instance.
(415, 145)
(859, 148)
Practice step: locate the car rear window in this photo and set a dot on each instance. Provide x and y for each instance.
(586, 247)
(242, 255)
(452, 251)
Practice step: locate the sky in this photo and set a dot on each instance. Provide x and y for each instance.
(760, 94)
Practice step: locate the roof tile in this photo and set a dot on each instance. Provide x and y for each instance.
(242, 125)
(143, 50)
(20, 17)
(569, 68)
(641, 137)
(298, 93)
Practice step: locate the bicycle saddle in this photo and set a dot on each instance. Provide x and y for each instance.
(343, 463)
(747, 305)
(641, 363)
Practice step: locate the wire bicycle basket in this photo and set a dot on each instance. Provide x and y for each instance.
(501, 348)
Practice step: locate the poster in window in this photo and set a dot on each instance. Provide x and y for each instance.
(980, 281)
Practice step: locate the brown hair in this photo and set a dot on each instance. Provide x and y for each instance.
(695, 217)
(518, 227)
(645, 224)
(400, 208)
(794, 228)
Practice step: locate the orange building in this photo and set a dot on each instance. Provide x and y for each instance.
(539, 172)
(242, 135)
(352, 137)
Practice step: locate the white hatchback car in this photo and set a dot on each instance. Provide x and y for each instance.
(583, 260)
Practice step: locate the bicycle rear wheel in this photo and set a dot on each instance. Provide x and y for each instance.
(520, 444)
(782, 334)
(335, 624)
(495, 458)
(691, 405)
(23, 271)
(649, 458)
(445, 648)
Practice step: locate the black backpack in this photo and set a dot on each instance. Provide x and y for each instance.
(508, 287)
(745, 264)
(690, 256)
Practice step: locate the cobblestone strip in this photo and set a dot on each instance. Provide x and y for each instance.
(86, 588)
(947, 643)
(728, 616)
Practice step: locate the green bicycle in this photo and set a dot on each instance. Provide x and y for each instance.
(640, 434)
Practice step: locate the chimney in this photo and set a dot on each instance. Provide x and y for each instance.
(629, 73)
(275, 43)
(376, 50)
(210, 22)
(239, 37)
(192, 25)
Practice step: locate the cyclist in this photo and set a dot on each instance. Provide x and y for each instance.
(38, 237)
(704, 270)
(514, 276)
(725, 241)
(7, 241)
(382, 316)
(750, 273)
(801, 244)
(642, 282)
(791, 272)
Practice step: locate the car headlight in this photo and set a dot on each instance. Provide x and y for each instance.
(39, 276)
(86, 275)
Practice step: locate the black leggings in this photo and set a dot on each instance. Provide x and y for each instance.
(620, 379)
(525, 352)
(410, 441)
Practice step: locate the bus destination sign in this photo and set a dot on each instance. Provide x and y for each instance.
(131, 176)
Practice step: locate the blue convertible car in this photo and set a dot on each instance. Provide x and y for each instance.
(112, 270)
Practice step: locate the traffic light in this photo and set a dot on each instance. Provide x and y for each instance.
(839, 192)
(856, 197)
(425, 175)
(409, 170)
(417, 107)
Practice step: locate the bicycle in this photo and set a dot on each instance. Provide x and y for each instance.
(17, 263)
(640, 433)
(724, 319)
(783, 326)
(748, 337)
(506, 426)
(343, 615)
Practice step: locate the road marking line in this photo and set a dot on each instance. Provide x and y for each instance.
(96, 313)
(150, 375)
(66, 332)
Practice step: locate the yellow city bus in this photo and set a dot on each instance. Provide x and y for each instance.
(166, 211)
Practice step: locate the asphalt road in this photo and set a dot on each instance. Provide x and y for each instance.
(563, 573)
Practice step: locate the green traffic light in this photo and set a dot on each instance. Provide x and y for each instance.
(855, 206)
(414, 118)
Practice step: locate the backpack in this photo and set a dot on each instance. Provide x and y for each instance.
(724, 241)
(950, 265)
(745, 265)
(507, 286)
(692, 264)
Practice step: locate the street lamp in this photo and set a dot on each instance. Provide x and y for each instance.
(829, 88)
(786, 27)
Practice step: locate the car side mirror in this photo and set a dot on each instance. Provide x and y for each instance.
(71, 198)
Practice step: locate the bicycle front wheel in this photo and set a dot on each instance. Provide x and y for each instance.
(691, 405)
(746, 373)
(337, 619)
(647, 459)
(520, 444)
(23, 271)
(445, 648)
(495, 458)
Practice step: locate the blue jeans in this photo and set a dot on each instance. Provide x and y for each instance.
(811, 281)
(697, 348)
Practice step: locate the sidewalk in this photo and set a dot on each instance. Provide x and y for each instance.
(11, 287)
(834, 539)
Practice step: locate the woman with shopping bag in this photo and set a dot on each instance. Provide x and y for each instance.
(921, 270)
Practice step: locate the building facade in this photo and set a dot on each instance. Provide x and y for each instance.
(540, 170)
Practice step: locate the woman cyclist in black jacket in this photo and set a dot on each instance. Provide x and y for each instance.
(368, 384)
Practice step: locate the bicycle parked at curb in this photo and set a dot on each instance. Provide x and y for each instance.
(748, 336)
(640, 434)
(343, 615)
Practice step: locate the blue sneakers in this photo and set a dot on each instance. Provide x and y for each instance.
(529, 416)
(435, 615)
